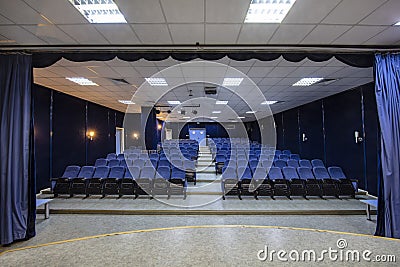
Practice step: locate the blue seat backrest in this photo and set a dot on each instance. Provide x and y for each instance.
(177, 173)
(275, 173)
(305, 163)
(132, 172)
(286, 152)
(113, 163)
(295, 156)
(280, 163)
(117, 172)
(163, 172)
(321, 173)
(111, 156)
(71, 172)
(317, 163)
(336, 173)
(290, 173)
(229, 173)
(120, 156)
(148, 172)
(284, 157)
(86, 172)
(305, 173)
(101, 162)
(101, 172)
(260, 173)
(244, 172)
(293, 163)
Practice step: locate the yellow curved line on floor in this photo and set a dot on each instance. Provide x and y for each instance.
(193, 227)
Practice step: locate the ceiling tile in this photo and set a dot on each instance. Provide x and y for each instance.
(58, 11)
(117, 33)
(51, 34)
(84, 34)
(310, 11)
(187, 33)
(325, 34)
(153, 33)
(358, 35)
(290, 34)
(256, 33)
(20, 35)
(352, 11)
(20, 13)
(139, 11)
(390, 36)
(5, 21)
(183, 11)
(388, 14)
(226, 11)
(222, 33)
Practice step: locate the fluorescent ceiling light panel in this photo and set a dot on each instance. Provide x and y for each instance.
(219, 102)
(174, 102)
(268, 11)
(232, 81)
(307, 81)
(250, 112)
(156, 81)
(186, 117)
(99, 11)
(397, 24)
(241, 117)
(126, 102)
(216, 112)
(269, 102)
(213, 118)
(81, 81)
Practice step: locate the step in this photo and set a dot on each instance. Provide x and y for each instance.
(204, 188)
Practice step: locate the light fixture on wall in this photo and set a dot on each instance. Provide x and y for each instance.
(357, 137)
(135, 136)
(90, 135)
(159, 126)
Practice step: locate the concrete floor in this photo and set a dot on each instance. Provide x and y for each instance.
(219, 246)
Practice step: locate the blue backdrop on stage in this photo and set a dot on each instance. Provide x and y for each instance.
(387, 90)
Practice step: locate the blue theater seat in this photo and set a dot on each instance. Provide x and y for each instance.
(110, 184)
(190, 171)
(297, 185)
(329, 185)
(127, 185)
(113, 163)
(281, 185)
(160, 183)
(313, 186)
(229, 182)
(305, 163)
(346, 187)
(263, 185)
(245, 178)
(101, 162)
(94, 186)
(295, 156)
(317, 163)
(293, 163)
(111, 156)
(63, 184)
(145, 181)
(178, 183)
(79, 184)
(280, 163)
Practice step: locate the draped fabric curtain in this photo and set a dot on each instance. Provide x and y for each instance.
(387, 90)
(17, 176)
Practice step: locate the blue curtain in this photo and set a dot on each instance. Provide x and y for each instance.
(17, 176)
(387, 90)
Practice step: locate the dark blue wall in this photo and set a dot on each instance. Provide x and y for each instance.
(61, 124)
(213, 129)
(329, 125)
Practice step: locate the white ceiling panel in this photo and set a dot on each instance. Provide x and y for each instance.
(222, 33)
(310, 11)
(58, 11)
(280, 72)
(255, 33)
(5, 21)
(187, 33)
(20, 35)
(139, 11)
(84, 34)
(290, 34)
(388, 14)
(325, 34)
(183, 11)
(50, 33)
(359, 34)
(117, 34)
(259, 72)
(389, 36)
(19, 12)
(226, 11)
(352, 11)
(153, 33)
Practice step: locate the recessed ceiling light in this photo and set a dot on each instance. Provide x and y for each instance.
(250, 112)
(174, 102)
(186, 117)
(269, 102)
(397, 24)
(307, 81)
(268, 11)
(232, 81)
(213, 118)
(156, 81)
(241, 117)
(99, 11)
(126, 102)
(219, 102)
(81, 81)
(216, 112)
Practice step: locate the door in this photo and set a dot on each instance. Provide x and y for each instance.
(198, 134)
(119, 141)
(168, 134)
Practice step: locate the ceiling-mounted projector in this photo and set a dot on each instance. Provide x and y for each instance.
(194, 112)
(210, 90)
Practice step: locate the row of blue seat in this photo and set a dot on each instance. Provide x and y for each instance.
(103, 180)
(288, 181)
